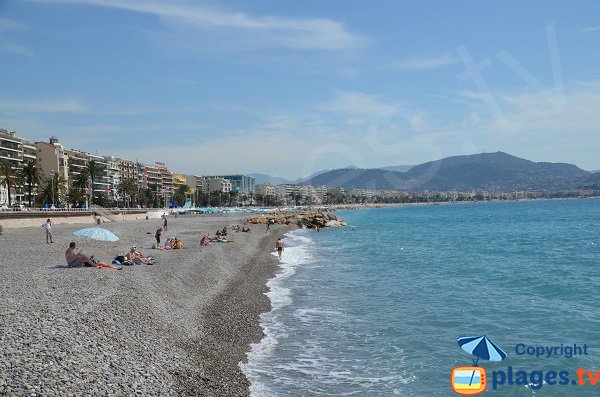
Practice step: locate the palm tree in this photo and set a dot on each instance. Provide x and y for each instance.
(33, 176)
(93, 171)
(8, 176)
(53, 190)
(127, 188)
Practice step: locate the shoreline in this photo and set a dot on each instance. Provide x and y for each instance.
(181, 327)
(231, 323)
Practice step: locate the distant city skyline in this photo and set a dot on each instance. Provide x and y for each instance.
(291, 88)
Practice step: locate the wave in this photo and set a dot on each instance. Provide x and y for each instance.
(297, 253)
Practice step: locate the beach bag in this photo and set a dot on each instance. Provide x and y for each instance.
(120, 258)
(154, 246)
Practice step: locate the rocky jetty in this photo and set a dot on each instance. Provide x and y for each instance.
(304, 220)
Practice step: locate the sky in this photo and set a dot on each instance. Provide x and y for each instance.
(287, 88)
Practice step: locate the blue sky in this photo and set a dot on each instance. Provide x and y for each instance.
(291, 87)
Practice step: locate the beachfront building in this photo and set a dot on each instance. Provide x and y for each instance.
(152, 179)
(129, 170)
(167, 181)
(362, 194)
(51, 159)
(78, 161)
(197, 183)
(17, 152)
(114, 176)
(267, 190)
(216, 184)
(242, 184)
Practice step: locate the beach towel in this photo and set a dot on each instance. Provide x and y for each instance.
(126, 263)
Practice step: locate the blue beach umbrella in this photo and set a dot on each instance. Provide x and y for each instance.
(96, 233)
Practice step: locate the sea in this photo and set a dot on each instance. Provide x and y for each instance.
(376, 308)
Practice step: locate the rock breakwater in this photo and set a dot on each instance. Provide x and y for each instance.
(304, 220)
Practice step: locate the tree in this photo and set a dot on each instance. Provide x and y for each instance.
(53, 189)
(180, 195)
(127, 188)
(93, 171)
(8, 177)
(33, 176)
(76, 196)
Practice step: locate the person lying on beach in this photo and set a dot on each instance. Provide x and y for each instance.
(77, 259)
(139, 253)
(102, 265)
(133, 256)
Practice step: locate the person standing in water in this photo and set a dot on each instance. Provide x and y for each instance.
(279, 247)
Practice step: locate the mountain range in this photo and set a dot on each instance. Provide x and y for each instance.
(497, 171)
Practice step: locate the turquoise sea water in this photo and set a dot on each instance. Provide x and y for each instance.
(376, 309)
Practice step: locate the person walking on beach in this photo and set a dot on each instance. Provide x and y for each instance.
(157, 235)
(165, 222)
(48, 226)
(279, 246)
(268, 226)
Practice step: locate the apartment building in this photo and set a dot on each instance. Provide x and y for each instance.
(17, 151)
(216, 184)
(266, 190)
(51, 158)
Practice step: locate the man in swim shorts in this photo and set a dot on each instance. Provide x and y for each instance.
(77, 259)
(279, 246)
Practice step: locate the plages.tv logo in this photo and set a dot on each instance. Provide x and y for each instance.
(471, 380)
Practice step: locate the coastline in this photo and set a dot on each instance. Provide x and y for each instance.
(181, 327)
(231, 323)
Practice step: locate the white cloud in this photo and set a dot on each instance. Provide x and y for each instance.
(590, 29)
(54, 106)
(427, 63)
(8, 26)
(272, 31)
(357, 103)
(14, 48)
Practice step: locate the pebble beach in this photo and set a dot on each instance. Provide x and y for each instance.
(178, 328)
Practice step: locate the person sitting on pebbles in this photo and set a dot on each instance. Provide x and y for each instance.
(77, 259)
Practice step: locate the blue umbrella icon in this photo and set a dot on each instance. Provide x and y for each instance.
(481, 347)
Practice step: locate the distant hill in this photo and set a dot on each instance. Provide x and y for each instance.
(264, 178)
(260, 179)
(592, 180)
(488, 171)
(398, 168)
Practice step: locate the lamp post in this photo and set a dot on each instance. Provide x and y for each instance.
(52, 185)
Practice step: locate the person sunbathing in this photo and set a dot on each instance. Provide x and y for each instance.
(77, 259)
(134, 257)
(205, 240)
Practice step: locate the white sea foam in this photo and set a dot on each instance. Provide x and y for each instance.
(296, 253)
